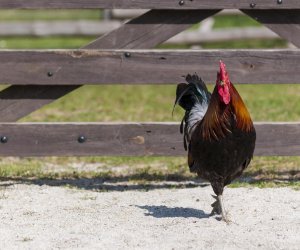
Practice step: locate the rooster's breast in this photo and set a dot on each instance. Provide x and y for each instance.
(225, 157)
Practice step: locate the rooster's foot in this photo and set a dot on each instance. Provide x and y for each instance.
(218, 208)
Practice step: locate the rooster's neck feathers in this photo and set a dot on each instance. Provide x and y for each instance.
(218, 119)
(244, 121)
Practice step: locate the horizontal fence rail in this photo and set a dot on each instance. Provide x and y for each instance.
(150, 4)
(74, 67)
(131, 13)
(91, 28)
(127, 139)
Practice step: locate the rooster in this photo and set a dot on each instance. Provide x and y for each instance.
(218, 132)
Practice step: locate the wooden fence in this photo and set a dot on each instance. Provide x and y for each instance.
(124, 55)
(115, 18)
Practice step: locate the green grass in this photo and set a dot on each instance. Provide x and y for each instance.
(237, 44)
(12, 167)
(155, 103)
(238, 21)
(144, 171)
(145, 103)
(267, 184)
(49, 15)
(75, 42)
(246, 44)
(53, 42)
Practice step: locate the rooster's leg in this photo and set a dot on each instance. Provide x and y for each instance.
(223, 211)
(218, 208)
(215, 206)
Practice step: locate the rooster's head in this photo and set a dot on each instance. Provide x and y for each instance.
(223, 84)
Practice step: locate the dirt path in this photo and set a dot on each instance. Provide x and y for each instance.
(44, 217)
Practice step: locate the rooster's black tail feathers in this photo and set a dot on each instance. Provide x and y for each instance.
(194, 98)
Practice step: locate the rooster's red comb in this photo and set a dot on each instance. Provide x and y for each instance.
(223, 72)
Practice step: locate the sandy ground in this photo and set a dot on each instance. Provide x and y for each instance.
(45, 217)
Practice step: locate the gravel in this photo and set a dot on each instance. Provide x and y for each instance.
(53, 217)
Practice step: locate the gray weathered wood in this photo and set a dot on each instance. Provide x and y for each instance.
(89, 28)
(69, 67)
(151, 29)
(31, 97)
(132, 139)
(285, 23)
(150, 4)
(160, 26)
(123, 14)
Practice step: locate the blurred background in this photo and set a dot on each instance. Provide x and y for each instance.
(72, 29)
